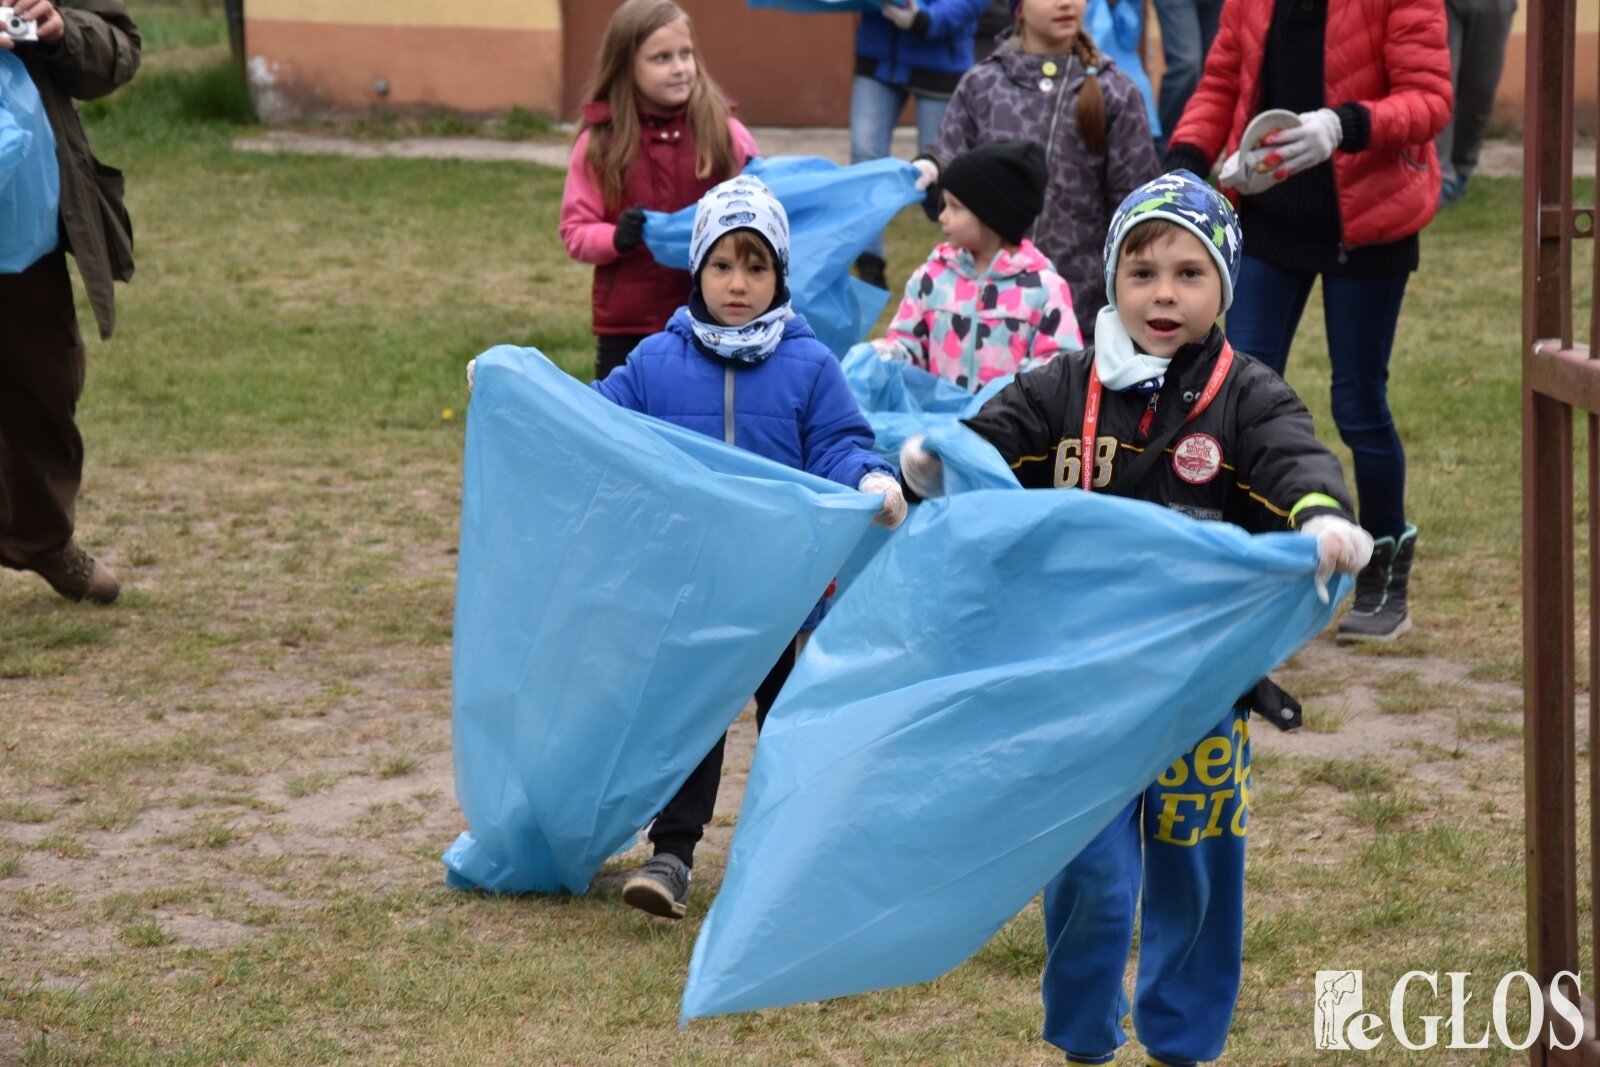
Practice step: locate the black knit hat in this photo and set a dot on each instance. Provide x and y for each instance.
(1001, 182)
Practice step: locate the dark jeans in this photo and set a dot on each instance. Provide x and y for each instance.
(41, 378)
(679, 826)
(611, 351)
(1187, 29)
(1360, 316)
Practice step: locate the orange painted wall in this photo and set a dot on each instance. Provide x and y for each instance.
(298, 68)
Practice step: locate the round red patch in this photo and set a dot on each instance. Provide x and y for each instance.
(1197, 458)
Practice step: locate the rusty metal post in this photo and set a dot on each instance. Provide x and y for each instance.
(1547, 484)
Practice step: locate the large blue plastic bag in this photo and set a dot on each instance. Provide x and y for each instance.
(820, 7)
(834, 212)
(1010, 671)
(624, 585)
(30, 177)
(901, 400)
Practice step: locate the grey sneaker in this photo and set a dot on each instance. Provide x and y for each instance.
(660, 887)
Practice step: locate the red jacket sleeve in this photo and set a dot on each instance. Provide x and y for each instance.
(1207, 120)
(1416, 58)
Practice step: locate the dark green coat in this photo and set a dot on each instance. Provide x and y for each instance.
(99, 53)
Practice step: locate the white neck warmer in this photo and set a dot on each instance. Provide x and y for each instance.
(1119, 364)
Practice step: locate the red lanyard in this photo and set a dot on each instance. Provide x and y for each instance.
(1088, 442)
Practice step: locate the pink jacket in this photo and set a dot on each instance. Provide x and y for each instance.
(972, 328)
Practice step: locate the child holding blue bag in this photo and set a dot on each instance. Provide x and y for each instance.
(737, 363)
(1161, 409)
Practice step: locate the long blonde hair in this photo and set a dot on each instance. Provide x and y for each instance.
(613, 146)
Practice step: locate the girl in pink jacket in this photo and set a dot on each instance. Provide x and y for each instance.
(987, 303)
(656, 135)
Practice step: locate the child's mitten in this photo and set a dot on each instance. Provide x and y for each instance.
(630, 230)
(893, 512)
(1341, 546)
(922, 470)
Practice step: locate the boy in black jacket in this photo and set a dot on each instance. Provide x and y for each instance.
(1162, 409)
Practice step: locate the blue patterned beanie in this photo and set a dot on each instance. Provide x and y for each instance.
(740, 203)
(1182, 198)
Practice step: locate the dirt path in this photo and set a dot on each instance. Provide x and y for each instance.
(1499, 159)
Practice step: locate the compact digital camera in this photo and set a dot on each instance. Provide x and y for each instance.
(18, 29)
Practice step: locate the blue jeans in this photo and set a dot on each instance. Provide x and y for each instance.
(874, 110)
(1360, 316)
(1187, 29)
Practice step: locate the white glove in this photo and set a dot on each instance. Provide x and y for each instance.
(1341, 546)
(927, 173)
(893, 512)
(1240, 174)
(922, 470)
(902, 17)
(1301, 147)
(472, 365)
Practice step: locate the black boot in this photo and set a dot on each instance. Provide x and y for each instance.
(1381, 611)
(871, 269)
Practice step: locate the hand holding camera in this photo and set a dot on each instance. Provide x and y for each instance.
(30, 21)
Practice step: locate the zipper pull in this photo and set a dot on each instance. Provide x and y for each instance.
(1149, 415)
(1344, 257)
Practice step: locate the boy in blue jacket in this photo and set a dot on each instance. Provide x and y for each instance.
(739, 364)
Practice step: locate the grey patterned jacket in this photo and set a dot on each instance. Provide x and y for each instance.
(1003, 97)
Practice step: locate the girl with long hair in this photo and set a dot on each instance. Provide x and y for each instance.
(656, 134)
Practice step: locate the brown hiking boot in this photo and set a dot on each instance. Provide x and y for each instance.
(74, 574)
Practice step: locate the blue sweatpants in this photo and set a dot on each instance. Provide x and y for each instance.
(1178, 847)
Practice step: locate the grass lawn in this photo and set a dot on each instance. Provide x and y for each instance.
(222, 801)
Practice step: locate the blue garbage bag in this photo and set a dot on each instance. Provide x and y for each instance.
(1118, 29)
(624, 585)
(820, 7)
(833, 212)
(901, 400)
(1025, 664)
(30, 178)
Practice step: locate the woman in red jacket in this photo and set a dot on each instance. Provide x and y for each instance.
(1343, 195)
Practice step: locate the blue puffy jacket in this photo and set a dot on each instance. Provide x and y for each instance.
(793, 407)
(931, 56)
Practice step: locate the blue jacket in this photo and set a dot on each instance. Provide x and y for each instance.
(793, 407)
(931, 56)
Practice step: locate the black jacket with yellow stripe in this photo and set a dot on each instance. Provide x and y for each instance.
(1250, 458)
